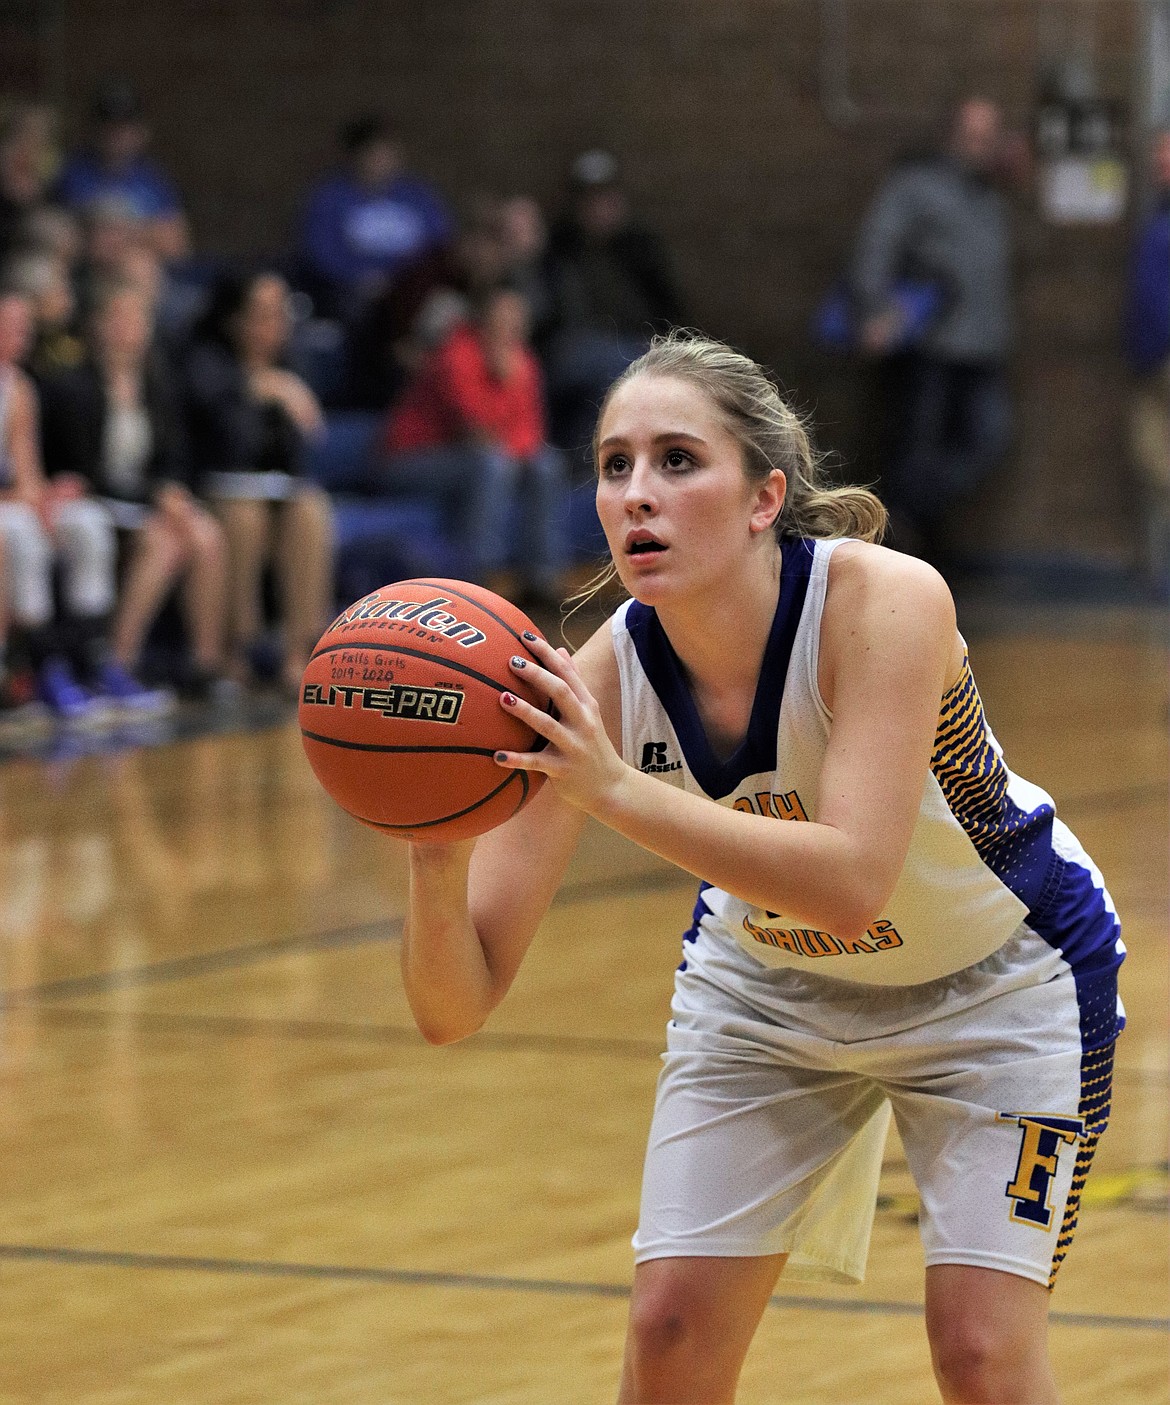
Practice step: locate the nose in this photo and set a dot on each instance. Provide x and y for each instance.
(639, 491)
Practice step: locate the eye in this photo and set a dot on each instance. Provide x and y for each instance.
(615, 465)
(677, 459)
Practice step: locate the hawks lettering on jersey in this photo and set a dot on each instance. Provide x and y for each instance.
(808, 941)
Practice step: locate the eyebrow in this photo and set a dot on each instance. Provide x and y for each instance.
(657, 439)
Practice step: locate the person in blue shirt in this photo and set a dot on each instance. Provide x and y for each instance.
(367, 220)
(116, 165)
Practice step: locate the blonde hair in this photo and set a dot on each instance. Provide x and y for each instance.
(770, 433)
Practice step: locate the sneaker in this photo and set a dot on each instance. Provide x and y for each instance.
(61, 692)
(117, 685)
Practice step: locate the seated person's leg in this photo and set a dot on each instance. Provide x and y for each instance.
(304, 562)
(205, 594)
(157, 555)
(246, 526)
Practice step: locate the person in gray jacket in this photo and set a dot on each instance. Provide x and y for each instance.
(945, 221)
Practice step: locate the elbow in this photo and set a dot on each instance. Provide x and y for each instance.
(855, 909)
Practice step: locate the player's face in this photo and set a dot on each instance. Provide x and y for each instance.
(679, 512)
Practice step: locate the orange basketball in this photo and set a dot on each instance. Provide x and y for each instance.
(400, 710)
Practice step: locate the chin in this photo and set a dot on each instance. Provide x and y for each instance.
(655, 590)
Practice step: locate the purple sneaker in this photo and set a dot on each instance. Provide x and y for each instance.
(118, 686)
(61, 692)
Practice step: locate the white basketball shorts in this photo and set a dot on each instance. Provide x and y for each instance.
(770, 1122)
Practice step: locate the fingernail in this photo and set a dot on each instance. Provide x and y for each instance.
(508, 699)
(518, 662)
(501, 756)
(528, 634)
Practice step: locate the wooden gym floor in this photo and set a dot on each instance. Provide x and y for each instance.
(233, 1172)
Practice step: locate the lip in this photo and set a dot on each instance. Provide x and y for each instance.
(636, 538)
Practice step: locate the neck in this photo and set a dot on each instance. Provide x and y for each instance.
(721, 637)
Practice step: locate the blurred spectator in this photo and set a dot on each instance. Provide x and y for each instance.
(523, 236)
(51, 229)
(944, 220)
(250, 420)
(1148, 350)
(26, 167)
(43, 278)
(610, 288)
(367, 221)
(116, 421)
(18, 685)
(45, 521)
(111, 230)
(415, 312)
(469, 431)
(15, 692)
(115, 165)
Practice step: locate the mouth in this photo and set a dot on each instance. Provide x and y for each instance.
(642, 544)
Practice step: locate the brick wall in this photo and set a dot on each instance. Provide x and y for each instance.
(753, 158)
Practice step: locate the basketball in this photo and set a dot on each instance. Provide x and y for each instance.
(400, 710)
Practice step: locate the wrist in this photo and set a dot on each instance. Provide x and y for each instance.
(616, 800)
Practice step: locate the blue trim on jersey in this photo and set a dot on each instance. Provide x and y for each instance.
(1015, 844)
(1073, 917)
(1064, 905)
(701, 910)
(666, 675)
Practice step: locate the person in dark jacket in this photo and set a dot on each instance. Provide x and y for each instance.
(251, 420)
(610, 288)
(116, 422)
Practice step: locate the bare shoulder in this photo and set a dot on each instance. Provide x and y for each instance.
(885, 600)
(863, 574)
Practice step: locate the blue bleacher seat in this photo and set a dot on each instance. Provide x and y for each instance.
(340, 459)
(318, 354)
(379, 539)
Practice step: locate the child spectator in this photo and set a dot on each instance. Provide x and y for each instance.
(116, 422)
(469, 430)
(250, 419)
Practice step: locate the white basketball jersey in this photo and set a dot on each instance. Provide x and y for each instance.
(986, 853)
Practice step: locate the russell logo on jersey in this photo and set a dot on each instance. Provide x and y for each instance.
(654, 759)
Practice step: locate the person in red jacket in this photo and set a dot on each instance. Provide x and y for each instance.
(469, 429)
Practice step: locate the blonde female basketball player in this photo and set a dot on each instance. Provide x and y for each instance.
(888, 918)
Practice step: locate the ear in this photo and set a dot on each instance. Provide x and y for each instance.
(768, 500)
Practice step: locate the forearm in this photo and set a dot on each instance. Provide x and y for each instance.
(444, 968)
(814, 872)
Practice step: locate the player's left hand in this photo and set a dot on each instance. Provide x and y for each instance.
(579, 760)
